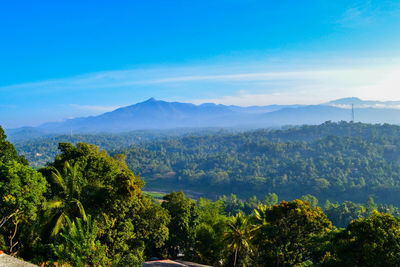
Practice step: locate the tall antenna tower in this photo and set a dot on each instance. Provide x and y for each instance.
(352, 112)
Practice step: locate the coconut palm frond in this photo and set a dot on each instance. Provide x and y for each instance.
(58, 179)
(82, 212)
(54, 204)
(57, 227)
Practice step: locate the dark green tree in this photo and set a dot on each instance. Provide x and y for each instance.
(238, 236)
(232, 205)
(209, 245)
(271, 199)
(182, 227)
(310, 198)
(8, 151)
(130, 224)
(286, 234)
(374, 241)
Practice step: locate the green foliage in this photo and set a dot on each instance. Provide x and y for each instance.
(342, 214)
(78, 244)
(8, 151)
(232, 205)
(156, 196)
(209, 247)
(21, 191)
(336, 161)
(238, 236)
(310, 198)
(288, 233)
(66, 201)
(130, 224)
(367, 242)
(184, 220)
(271, 199)
(41, 150)
(21, 197)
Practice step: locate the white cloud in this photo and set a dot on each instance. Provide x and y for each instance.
(250, 84)
(323, 86)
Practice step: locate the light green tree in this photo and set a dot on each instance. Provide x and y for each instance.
(67, 200)
(78, 244)
(238, 235)
(21, 198)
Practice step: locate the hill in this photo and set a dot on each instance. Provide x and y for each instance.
(335, 161)
(156, 114)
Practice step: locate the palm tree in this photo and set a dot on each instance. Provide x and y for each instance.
(67, 200)
(79, 244)
(238, 234)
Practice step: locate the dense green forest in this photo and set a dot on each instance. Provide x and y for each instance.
(333, 161)
(41, 150)
(86, 208)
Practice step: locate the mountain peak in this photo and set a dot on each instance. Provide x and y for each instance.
(152, 99)
(346, 101)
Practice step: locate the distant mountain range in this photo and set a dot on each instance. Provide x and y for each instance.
(157, 114)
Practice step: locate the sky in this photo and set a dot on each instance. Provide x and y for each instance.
(67, 59)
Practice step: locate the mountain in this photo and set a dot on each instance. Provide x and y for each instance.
(157, 114)
(357, 102)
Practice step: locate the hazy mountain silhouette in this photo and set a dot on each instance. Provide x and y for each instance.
(157, 114)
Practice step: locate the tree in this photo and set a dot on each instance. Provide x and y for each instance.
(374, 241)
(8, 151)
(310, 198)
(67, 200)
(250, 205)
(79, 245)
(130, 224)
(342, 214)
(271, 199)
(232, 205)
(238, 236)
(209, 245)
(21, 197)
(182, 227)
(286, 234)
(371, 206)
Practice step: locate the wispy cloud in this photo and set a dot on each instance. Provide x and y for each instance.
(250, 84)
(355, 17)
(241, 84)
(118, 79)
(367, 13)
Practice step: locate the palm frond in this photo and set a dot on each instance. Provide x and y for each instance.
(80, 208)
(54, 204)
(59, 223)
(58, 179)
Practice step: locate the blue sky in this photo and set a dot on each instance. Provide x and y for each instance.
(63, 59)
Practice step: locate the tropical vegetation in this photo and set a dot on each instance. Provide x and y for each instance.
(87, 208)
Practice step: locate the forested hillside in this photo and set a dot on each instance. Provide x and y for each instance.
(342, 161)
(41, 150)
(334, 161)
(86, 208)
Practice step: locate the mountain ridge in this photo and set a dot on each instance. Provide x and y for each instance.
(159, 114)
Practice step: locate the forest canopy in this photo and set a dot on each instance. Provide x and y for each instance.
(333, 161)
(87, 208)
